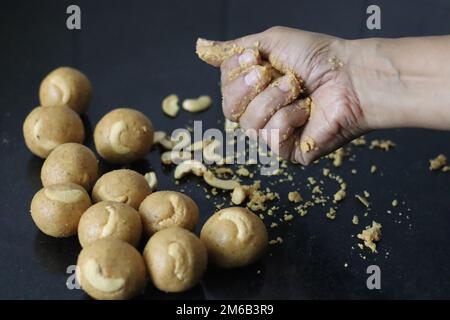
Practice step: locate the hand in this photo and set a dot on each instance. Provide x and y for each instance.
(259, 99)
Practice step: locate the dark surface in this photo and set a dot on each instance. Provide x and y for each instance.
(137, 52)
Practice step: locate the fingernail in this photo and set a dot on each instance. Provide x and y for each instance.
(247, 58)
(285, 84)
(252, 78)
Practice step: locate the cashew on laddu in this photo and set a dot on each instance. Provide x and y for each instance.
(114, 137)
(43, 142)
(66, 196)
(241, 222)
(181, 258)
(110, 226)
(93, 274)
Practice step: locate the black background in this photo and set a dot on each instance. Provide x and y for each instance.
(137, 52)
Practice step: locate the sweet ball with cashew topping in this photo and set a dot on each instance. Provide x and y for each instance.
(66, 86)
(45, 128)
(123, 136)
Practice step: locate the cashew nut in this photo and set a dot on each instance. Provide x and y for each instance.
(93, 274)
(210, 155)
(43, 142)
(197, 105)
(182, 259)
(166, 143)
(189, 166)
(242, 224)
(170, 105)
(114, 137)
(63, 89)
(170, 157)
(66, 196)
(177, 215)
(239, 195)
(105, 195)
(181, 140)
(158, 136)
(111, 224)
(215, 182)
(152, 180)
(199, 145)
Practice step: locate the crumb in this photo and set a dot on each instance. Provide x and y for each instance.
(274, 225)
(354, 171)
(366, 194)
(294, 196)
(371, 235)
(361, 141)
(362, 200)
(331, 214)
(311, 180)
(439, 162)
(278, 240)
(325, 172)
(385, 145)
(307, 145)
(355, 220)
(345, 265)
(373, 168)
(288, 217)
(394, 203)
(340, 195)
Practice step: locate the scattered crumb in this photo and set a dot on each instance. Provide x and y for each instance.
(274, 225)
(331, 214)
(355, 220)
(288, 217)
(361, 141)
(438, 163)
(373, 168)
(294, 196)
(371, 235)
(340, 195)
(278, 240)
(362, 200)
(307, 145)
(394, 203)
(385, 145)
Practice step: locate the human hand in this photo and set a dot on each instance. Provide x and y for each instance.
(260, 98)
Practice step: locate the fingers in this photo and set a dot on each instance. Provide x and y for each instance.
(231, 67)
(280, 131)
(241, 87)
(216, 52)
(281, 92)
(318, 137)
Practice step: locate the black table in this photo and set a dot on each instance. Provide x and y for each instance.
(137, 52)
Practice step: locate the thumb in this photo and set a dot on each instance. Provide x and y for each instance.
(216, 52)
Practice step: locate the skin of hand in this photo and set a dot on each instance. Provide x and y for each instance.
(355, 86)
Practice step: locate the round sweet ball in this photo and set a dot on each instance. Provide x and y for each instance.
(176, 259)
(56, 209)
(111, 269)
(164, 209)
(45, 128)
(123, 136)
(234, 237)
(108, 219)
(124, 185)
(70, 162)
(66, 86)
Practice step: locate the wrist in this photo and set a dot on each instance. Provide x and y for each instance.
(401, 82)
